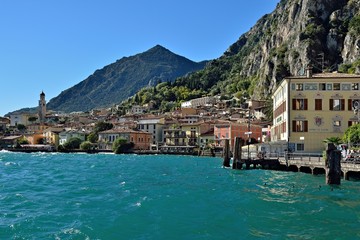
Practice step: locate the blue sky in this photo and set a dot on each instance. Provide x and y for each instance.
(50, 45)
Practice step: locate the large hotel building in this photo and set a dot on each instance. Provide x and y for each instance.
(308, 109)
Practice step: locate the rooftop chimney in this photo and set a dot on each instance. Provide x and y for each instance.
(309, 71)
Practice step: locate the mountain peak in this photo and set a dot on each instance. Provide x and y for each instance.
(120, 80)
(159, 47)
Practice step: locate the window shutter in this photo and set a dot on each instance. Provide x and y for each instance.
(331, 104)
(305, 104)
(342, 104)
(318, 104)
(305, 126)
(349, 104)
(294, 104)
(294, 126)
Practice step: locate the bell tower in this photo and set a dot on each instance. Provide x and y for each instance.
(42, 107)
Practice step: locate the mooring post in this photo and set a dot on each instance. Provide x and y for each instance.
(237, 154)
(226, 162)
(332, 164)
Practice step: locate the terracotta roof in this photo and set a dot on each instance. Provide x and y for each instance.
(329, 75)
(208, 133)
(123, 131)
(335, 75)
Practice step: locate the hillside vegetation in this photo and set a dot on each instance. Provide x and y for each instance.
(322, 33)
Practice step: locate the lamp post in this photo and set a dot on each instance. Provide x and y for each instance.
(248, 133)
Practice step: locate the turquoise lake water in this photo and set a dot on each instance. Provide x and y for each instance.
(105, 196)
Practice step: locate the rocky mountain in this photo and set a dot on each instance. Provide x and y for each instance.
(322, 33)
(122, 79)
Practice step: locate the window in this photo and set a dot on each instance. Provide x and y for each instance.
(346, 86)
(318, 104)
(355, 86)
(336, 86)
(299, 87)
(300, 104)
(353, 104)
(300, 147)
(337, 104)
(322, 86)
(337, 123)
(351, 123)
(300, 126)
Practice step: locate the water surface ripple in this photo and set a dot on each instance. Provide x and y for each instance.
(105, 196)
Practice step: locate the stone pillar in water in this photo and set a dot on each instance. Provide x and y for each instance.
(332, 164)
(226, 152)
(237, 154)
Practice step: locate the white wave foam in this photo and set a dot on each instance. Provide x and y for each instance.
(11, 164)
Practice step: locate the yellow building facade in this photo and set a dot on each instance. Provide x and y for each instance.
(308, 109)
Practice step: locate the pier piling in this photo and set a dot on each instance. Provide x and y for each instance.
(237, 164)
(332, 164)
(226, 162)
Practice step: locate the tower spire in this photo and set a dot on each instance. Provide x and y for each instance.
(42, 107)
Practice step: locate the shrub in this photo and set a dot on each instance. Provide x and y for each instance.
(116, 147)
(73, 143)
(86, 146)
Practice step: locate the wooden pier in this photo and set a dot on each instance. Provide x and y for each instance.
(307, 163)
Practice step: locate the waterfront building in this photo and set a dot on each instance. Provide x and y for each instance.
(51, 135)
(142, 140)
(193, 131)
(154, 126)
(174, 136)
(9, 141)
(308, 109)
(65, 136)
(250, 133)
(206, 138)
(176, 141)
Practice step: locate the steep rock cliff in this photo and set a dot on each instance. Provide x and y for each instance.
(298, 33)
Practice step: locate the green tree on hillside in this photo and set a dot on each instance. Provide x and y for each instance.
(102, 126)
(32, 119)
(21, 127)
